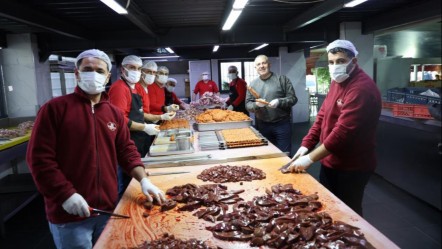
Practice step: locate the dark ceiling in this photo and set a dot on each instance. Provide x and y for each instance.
(192, 27)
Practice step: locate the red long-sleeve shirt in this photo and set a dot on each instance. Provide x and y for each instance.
(120, 95)
(346, 124)
(157, 98)
(75, 148)
(202, 87)
(241, 88)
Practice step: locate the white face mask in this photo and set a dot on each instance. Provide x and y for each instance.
(339, 72)
(205, 77)
(132, 77)
(170, 88)
(149, 79)
(232, 76)
(163, 79)
(92, 82)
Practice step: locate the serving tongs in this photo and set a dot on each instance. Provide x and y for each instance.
(284, 167)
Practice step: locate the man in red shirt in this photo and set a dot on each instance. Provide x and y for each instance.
(237, 92)
(171, 97)
(125, 97)
(345, 128)
(157, 95)
(204, 85)
(148, 74)
(76, 143)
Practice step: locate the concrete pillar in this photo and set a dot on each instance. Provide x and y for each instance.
(293, 65)
(364, 44)
(27, 81)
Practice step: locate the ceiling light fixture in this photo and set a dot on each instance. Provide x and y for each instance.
(259, 47)
(215, 48)
(240, 4)
(237, 8)
(115, 6)
(353, 3)
(233, 16)
(170, 50)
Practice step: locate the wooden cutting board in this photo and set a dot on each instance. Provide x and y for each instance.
(127, 233)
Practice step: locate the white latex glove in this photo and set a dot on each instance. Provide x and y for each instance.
(300, 164)
(151, 129)
(172, 108)
(175, 107)
(168, 116)
(301, 151)
(259, 104)
(230, 108)
(149, 189)
(274, 103)
(76, 205)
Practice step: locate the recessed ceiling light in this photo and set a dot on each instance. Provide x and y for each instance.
(215, 48)
(115, 6)
(170, 50)
(354, 3)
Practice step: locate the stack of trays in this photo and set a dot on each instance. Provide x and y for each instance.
(209, 140)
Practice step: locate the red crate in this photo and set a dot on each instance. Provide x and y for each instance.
(387, 105)
(411, 111)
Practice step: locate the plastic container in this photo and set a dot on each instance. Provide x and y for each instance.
(410, 95)
(182, 142)
(411, 111)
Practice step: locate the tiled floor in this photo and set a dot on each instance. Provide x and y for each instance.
(404, 219)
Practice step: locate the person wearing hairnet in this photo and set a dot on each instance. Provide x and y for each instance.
(204, 85)
(272, 118)
(237, 92)
(171, 97)
(73, 151)
(157, 94)
(148, 74)
(345, 128)
(124, 95)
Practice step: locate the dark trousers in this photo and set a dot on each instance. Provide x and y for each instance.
(142, 142)
(278, 133)
(348, 186)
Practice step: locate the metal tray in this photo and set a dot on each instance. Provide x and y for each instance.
(168, 149)
(222, 125)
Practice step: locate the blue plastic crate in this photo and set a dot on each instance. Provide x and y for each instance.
(410, 95)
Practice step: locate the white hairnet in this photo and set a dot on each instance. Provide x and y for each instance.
(132, 60)
(150, 65)
(342, 44)
(205, 73)
(163, 68)
(96, 54)
(172, 80)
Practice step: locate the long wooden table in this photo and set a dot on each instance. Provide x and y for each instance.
(127, 233)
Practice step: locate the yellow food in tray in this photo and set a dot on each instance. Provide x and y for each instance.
(218, 115)
(175, 124)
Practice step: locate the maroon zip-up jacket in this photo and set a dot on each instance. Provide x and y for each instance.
(346, 124)
(74, 148)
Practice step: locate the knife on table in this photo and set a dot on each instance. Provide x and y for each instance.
(285, 166)
(167, 173)
(99, 211)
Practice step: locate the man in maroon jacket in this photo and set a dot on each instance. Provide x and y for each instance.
(75, 145)
(345, 128)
